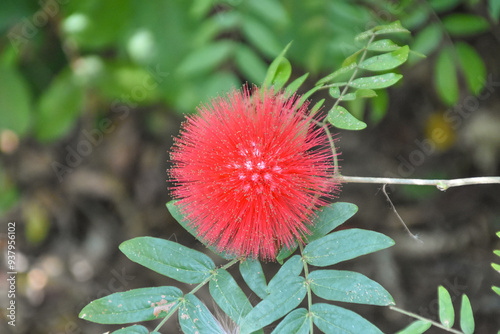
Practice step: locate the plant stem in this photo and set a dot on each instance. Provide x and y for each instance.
(198, 287)
(416, 316)
(440, 184)
(309, 293)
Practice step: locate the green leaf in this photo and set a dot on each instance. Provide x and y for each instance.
(58, 108)
(496, 289)
(317, 107)
(296, 322)
(272, 11)
(383, 45)
(444, 5)
(344, 245)
(307, 94)
(330, 217)
(379, 105)
(472, 66)
(348, 286)
(497, 252)
(273, 70)
(392, 28)
(195, 318)
(276, 305)
(494, 9)
(342, 119)
(428, 39)
(132, 306)
(466, 316)
(283, 73)
(134, 329)
(295, 84)
(341, 71)
(250, 64)
(446, 311)
(285, 252)
(292, 267)
(206, 58)
(15, 101)
(386, 61)
(169, 258)
(377, 81)
(465, 24)
(253, 275)
(261, 36)
(334, 319)
(352, 59)
(416, 327)
(445, 77)
(229, 296)
(496, 267)
(175, 211)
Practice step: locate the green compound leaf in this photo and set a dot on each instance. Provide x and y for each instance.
(134, 329)
(253, 275)
(472, 66)
(132, 306)
(341, 71)
(15, 101)
(392, 28)
(334, 319)
(344, 245)
(446, 311)
(330, 217)
(229, 296)
(175, 211)
(295, 322)
(195, 318)
(276, 305)
(58, 108)
(206, 58)
(348, 286)
(339, 117)
(279, 70)
(285, 252)
(465, 24)
(169, 258)
(416, 327)
(386, 61)
(295, 84)
(292, 267)
(466, 316)
(377, 81)
(383, 45)
(445, 77)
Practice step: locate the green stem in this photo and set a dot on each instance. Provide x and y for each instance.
(416, 316)
(309, 292)
(198, 287)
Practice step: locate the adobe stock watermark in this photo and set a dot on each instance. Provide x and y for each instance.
(455, 118)
(121, 107)
(29, 27)
(117, 283)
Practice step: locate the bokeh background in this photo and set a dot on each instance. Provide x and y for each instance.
(91, 93)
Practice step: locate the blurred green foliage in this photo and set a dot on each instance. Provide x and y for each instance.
(62, 59)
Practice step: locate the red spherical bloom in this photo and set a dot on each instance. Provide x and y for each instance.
(250, 170)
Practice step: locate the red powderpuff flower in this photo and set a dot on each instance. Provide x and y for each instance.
(249, 171)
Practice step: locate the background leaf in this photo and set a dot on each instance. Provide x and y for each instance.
(465, 24)
(229, 296)
(250, 64)
(15, 101)
(472, 67)
(169, 258)
(132, 306)
(445, 77)
(334, 319)
(348, 286)
(344, 245)
(446, 311)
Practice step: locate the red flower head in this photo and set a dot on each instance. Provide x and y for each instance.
(250, 170)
